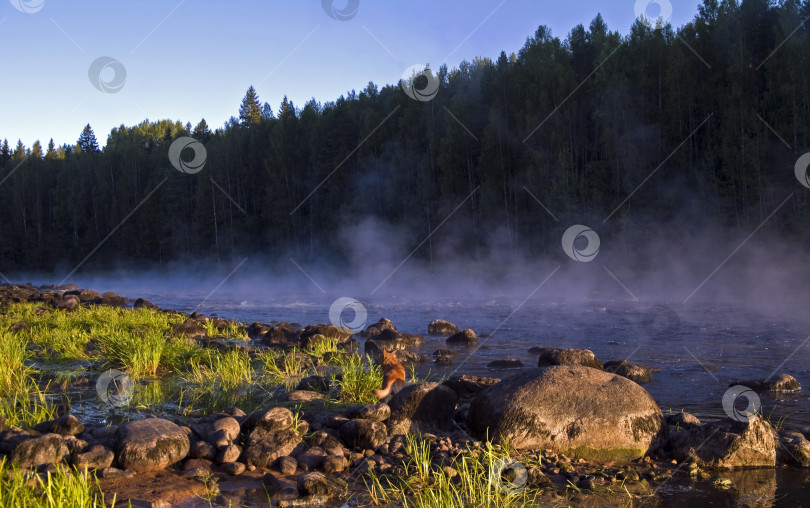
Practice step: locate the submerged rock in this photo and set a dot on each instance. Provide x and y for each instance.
(442, 327)
(727, 444)
(555, 356)
(631, 371)
(574, 410)
(780, 383)
(464, 337)
(507, 363)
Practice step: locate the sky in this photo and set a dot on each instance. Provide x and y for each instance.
(191, 59)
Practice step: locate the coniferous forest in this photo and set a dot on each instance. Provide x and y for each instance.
(702, 123)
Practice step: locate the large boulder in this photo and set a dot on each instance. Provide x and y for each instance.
(42, 450)
(727, 444)
(574, 410)
(150, 444)
(556, 356)
(425, 407)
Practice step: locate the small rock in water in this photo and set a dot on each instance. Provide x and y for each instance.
(442, 327)
(780, 383)
(631, 371)
(465, 337)
(508, 363)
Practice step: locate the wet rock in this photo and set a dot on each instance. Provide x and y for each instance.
(309, 336)
(683, 420)
(465, 385)
(327, 442)
(314, 383)
(282, 334)
(424, 407)
(574, 410)
(363, 434)
(191, 329)
(555, 356)
(631, 371)
(67, 425)
(233, 468)
(111, 299)
(375, 412)
(75, 445)
(68, 303)
(264, 446)
(507, 363)
(202, 450)
(794, 449)
(315, 483)
(287, 465)
(229, 425)
(442, 327)
(257, 330)
(780, 383)
(277, 418)
(142, 303)
(197, 467)
(726, 444)
(391, 340)
(84, 295)
(335, 464)
(312, 459)
(37, 451)
(377, 328)
(229, 453)
(96, 457)
(464, 338)
(150, 444)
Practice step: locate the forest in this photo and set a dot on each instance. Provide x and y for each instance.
(701, 124)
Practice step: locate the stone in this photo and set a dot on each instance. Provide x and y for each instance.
(287, 465)
(362, 434)
(376, 412)
(442, 327)
(555, 356)
(726, 444)
(229, 453)
(264, 446)
(311, 459)
(150, 444)
(96, 457)
(38, 451)
(424, 407)
(574, 410)
(464, 337)
(277, 418)
(631, 371)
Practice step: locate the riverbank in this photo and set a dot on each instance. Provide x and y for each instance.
(280, 411)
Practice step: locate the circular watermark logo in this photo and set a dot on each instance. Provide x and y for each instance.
(193, 166)
(340, 306)
(730, 403)
(661, 323)
(508, 475)
(802, 164)
(653, 13)
(115, 388)
(589, 251)
(28, 6)
(99, 74)
(419, 83)
(344, 14)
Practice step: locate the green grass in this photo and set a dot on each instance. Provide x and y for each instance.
(279, 366)
(53, 490)
(230, 369)
(22, 402)
(358, 377)
(425, 485)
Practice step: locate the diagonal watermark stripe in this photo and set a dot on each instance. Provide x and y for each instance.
(383, 46)
(220, 284)
(777, 48)
(506, 319)
(788, 358)
(701, 365)
(156, 27)
(774, 132)
(13, 170)
(228, 196)
(474, 30)
(541, 204)
(308, 276)
(114, 230)
(344, 160)
(738, 248)
(621, 284)
(695, 52)
(460, 123)
(654, 171)
(289, 55)
(66, 34)
(573, 92)
(428, 237)
(3, 276)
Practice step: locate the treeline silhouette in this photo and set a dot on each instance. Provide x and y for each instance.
(701, 124)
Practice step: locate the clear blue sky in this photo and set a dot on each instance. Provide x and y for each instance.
(190, 59)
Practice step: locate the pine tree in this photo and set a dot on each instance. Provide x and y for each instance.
(36, 150)
(267, 112)
(5, 153)
(201, 132)
(87, 140)
(51, 153)
(250, 112)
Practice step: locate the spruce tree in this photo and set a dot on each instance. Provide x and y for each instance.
(250, 112)
(201, 132)
(87, 140)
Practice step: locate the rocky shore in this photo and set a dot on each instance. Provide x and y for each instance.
(572, 430)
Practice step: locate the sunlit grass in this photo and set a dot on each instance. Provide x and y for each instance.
(52, 490)
(22, 402)
(357, 377)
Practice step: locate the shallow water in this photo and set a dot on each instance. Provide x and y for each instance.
(699, 349)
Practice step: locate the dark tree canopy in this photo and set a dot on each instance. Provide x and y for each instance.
(702, 124)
